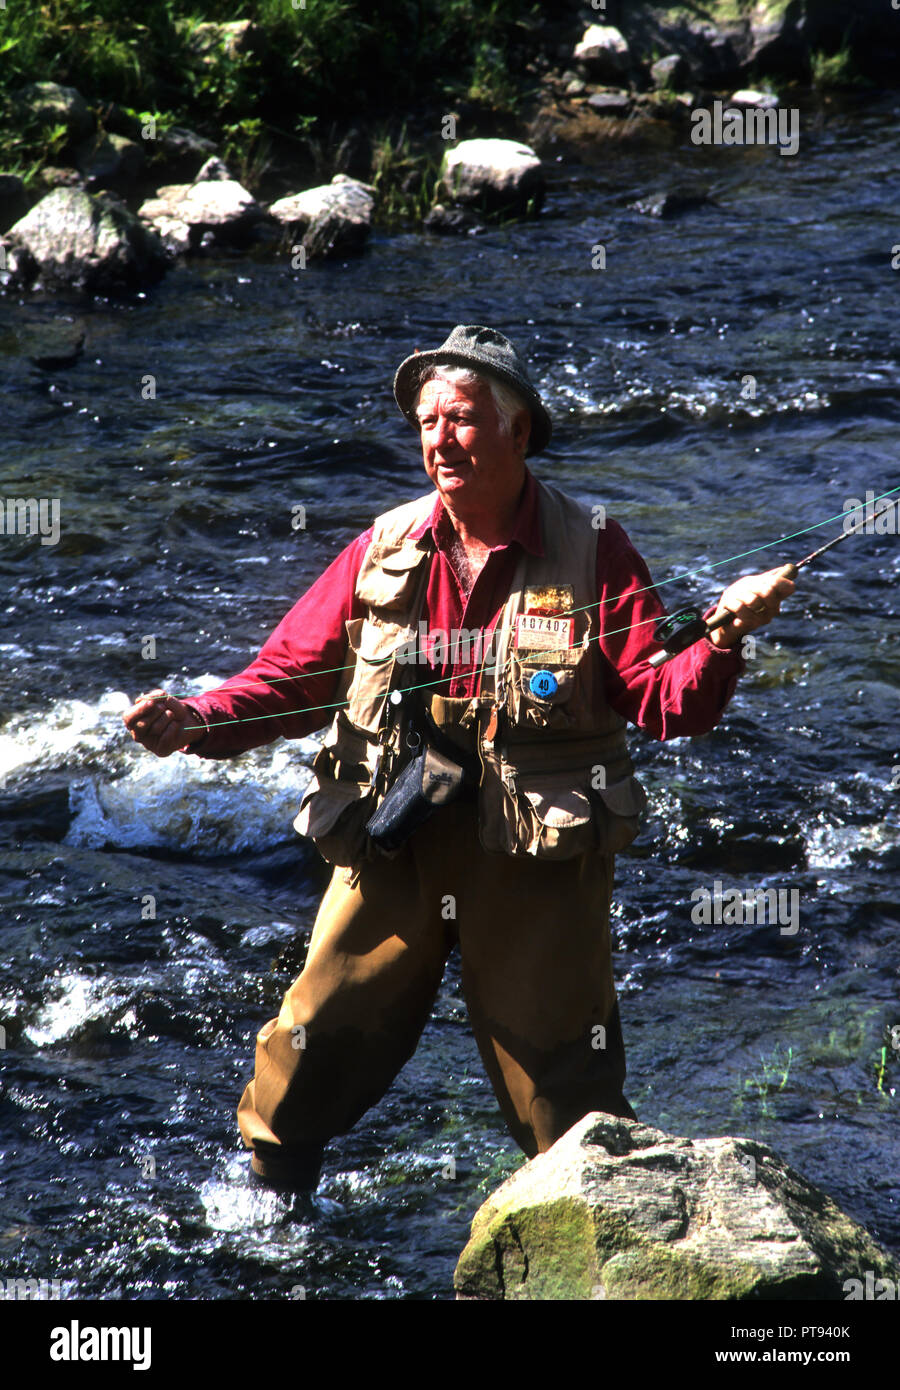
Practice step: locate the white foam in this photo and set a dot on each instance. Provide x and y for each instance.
(122, 795)
(236, 1203)
(80, 998)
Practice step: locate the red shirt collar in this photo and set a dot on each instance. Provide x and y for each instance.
(526, 527)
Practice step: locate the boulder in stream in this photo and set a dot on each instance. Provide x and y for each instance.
(670, 73)
(181, 152)
(182, 214)
(672, 202)
(604, 53)
(494, 176)
(716, 45)
(72, 238)
(333, 219)
(617, 1210)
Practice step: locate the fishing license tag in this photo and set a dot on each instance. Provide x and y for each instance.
(536, 630)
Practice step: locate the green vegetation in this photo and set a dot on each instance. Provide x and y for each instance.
(405, 179)
(304, 65)
(775, 1072)
(836, 70)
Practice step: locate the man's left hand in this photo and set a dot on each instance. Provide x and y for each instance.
(753, 601)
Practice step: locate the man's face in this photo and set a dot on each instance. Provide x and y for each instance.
(467, 456)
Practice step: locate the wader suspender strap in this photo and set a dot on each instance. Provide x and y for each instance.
(505, 629)
(392, 711)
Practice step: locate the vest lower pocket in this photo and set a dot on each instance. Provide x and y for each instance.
(341, 796)
(556, 814)
(551, 819)
(543, 814)
(334, 815)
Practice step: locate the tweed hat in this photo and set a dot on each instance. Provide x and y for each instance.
(484, 350)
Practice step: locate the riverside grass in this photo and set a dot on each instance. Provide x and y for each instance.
(323, 61)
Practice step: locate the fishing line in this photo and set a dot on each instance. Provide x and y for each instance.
(684, 574)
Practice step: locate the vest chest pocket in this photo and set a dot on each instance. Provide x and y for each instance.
(389, 577)
(376, 645)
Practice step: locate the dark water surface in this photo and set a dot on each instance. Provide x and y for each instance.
(129, 1040)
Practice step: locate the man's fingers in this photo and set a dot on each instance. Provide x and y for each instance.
(143, 707)
(753, 602)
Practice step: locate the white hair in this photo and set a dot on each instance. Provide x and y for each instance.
(506, 398)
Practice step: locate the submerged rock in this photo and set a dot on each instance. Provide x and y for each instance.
(671, 203)
(73, 238)
(617, 1210)
(452, 221)
(495, 176)
(53, 345)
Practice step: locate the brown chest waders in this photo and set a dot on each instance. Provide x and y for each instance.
(533, 937)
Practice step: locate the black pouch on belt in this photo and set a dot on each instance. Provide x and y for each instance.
(431, 780)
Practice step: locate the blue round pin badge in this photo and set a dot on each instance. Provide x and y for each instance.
(543, 684)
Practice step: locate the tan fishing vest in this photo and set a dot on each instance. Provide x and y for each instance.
(556, 778)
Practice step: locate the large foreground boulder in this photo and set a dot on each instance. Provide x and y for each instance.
(73, 239)
(494, 176)
(617, 1210)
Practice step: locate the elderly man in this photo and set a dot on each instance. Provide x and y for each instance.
(469, 794)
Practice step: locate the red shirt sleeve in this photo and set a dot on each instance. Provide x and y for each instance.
(281, 692)
(686, 696)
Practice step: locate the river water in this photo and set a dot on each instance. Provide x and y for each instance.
(128, 1037)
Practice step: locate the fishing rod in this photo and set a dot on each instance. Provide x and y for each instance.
(678, 631)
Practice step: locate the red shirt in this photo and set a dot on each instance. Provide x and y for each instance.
(288, 688)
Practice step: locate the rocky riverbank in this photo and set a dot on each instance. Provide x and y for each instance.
(125, 192)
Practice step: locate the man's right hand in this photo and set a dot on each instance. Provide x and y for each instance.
(158, 721)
